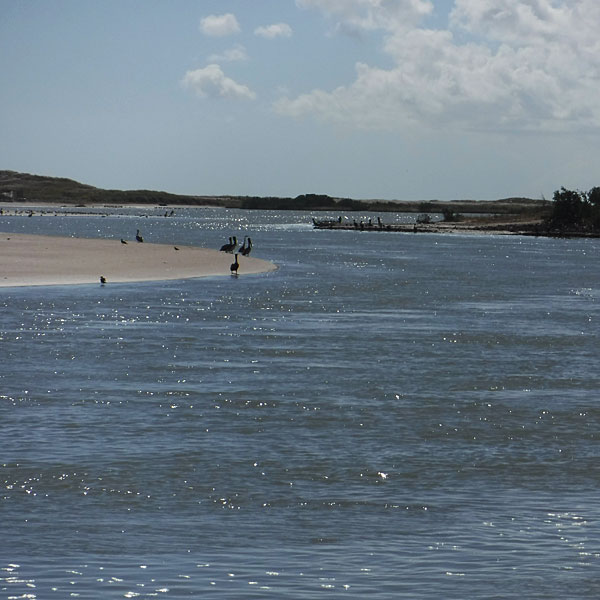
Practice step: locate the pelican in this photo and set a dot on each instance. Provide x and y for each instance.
(102, 280)
(176, 248)
(246, 250)
(226, 247)
(234, 266)
(123, 241)
(243, 246)
(138, 236)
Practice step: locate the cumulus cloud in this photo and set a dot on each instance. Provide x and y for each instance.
(499, 65)
(511, 20)
(220, 25)
(237, 53)
(273, 31)
(211, 81)
(371, 14)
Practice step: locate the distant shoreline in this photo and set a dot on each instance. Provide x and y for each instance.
(37, 189)
(507, 216)
(476, 225)
(497, 224)
(327, 204)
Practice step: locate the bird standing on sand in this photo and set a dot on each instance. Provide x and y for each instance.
(235, 266)
(123, 241)
(247, 248)
(102, 280)
(138, 236)
(227, 247)
(243, 246)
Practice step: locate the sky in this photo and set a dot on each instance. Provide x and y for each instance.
(388, 99)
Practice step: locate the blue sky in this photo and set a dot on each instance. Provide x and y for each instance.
(394, 99)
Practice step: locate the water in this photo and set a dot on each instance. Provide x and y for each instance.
(385, 416)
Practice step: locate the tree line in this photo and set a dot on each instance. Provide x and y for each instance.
(575, 209)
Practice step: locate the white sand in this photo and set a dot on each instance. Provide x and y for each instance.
(45, 260)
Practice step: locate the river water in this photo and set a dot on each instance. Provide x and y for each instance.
(385, 416)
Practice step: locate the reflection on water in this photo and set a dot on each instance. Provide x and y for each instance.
(385, 416)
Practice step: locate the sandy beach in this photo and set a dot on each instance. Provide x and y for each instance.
(29, 260)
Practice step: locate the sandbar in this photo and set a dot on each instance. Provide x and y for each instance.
(30, 260)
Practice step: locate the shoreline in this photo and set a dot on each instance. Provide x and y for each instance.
(480, 226)
(36, 260)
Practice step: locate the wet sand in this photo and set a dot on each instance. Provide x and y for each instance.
(28, 260)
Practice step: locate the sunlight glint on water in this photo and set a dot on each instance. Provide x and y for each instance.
(385, 416)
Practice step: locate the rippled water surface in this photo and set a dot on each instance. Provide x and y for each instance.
(385, 416)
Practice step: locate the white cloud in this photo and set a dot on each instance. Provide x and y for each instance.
(220, 25)
(237, 53)
(371, 14)
(511, 20)
(273, 31)
(211, 81)
(500, 65)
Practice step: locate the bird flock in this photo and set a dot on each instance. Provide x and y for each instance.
(231, 247)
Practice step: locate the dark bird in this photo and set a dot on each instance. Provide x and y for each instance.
(248, 248)
(234, 266)
(102, 280)
(123, 241)
(176, 248)
(138, 236)
(231, 246)
(243, 246)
